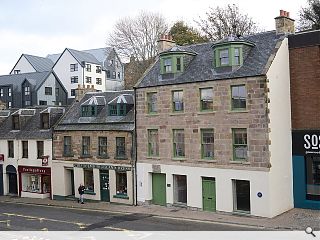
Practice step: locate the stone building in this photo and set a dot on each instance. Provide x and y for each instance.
(93, 145)
(213, 126)
(305, 89)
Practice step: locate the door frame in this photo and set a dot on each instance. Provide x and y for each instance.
(165, 188)
(104, 172)
(209, 179)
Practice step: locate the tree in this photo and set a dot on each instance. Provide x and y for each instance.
(310, 16)
(183, 34)
(137, 37)
(223, 22)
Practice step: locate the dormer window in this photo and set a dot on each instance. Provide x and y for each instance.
(167, 65)
(117, 110)
(224, 57)
(15, 123)
(178, 64)
(236, 56)
(45, 120)
(89, 111)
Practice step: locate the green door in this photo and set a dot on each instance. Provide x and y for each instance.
(209, 194)
(159, 189)
(104, 186)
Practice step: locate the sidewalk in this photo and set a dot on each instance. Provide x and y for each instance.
(295, 219)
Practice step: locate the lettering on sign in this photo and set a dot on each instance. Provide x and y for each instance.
(35, 170)
(102, 167)
(311, 143)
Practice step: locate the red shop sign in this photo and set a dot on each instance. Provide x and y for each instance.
(35, 170)
(2, 157)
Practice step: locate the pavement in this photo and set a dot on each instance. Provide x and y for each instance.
(294, 219)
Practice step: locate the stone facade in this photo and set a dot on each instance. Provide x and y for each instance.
(222, 119)
(76, 138)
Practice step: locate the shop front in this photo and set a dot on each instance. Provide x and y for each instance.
(306, 168)
(34, 182)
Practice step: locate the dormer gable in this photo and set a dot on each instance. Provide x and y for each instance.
(21, 117)
(120, 105)
(92, 106)
(230, 53)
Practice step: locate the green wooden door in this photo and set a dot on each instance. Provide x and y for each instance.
(159, 189)
(104, 186)
(209, 194)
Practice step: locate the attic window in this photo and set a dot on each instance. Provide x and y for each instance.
(178, 64)
(16, 71)
(224, 57)
(117, 110)
(167, 65)
(236, 56)
(15, 123)
(45, 120)
(89, 111)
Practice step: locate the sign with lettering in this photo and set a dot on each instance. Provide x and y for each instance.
(45, 160)
(1, 157)
(34, 170)
(102, 167)
(305, 142)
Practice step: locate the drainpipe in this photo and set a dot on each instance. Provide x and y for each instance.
(136, 146)
(133, 170)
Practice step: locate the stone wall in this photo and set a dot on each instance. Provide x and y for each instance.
(192, 120)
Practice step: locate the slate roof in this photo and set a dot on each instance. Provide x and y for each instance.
(36, 78)
(99, 53)
(73, 121)
(180, 49)
(201, 66)
(31, 129)
(40, 64)
(53, 57)
(82, 56)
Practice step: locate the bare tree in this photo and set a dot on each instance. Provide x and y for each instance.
(222, 22)
(310, 16)
(137, 37)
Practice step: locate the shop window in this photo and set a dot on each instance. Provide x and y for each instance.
(240, 146)
(67, 151)
(180, 189)
(152, 102)
(40, 149)
(10, 149)
(153, 143)
(206, 99)
(121, 183)
(207, 140)
(85, 146)
(103, 147)
(31, 183)
(177, 101)
(313, 178)
(88, 180)
(24, 149)
(241, 195)
(178, 143)
(46, 184)
(238, 98)
(121, 147)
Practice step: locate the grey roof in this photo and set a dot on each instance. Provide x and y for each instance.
(53, 57)
(35, 78)
(123, 98)
(30, 128)
(201, 68)
(40, 64)
(83, 56)
(99, 53)
(73, 120)
(95, 100)
(180, 49)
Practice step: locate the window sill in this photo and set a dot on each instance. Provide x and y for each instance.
(103, 157)
(244, 162)
(155, 157)
(89, 192)
(238, 111)
(179, 159)
(68, 155)
(176, 113)
(206, 112)
(121, 158)
(209, 160)
(85, 156)
(152, 114)
(121, 196)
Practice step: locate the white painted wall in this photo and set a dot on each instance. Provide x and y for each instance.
(94, 75)
(281, 185)
(24, 66)
(50, 82)
(259, 182)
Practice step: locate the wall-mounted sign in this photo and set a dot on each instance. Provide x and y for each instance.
(34, 170)
(259, 194)
(1, 157)
(45, 160)
(305, 142)
(103, 167)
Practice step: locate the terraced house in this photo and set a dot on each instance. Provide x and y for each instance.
(213, 125)
(93, 145)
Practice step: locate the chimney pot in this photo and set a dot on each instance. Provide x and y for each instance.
(281, 12)
(284, 13)
(288, 14)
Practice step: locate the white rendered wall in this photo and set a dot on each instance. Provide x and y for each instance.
(62, 70)
(280, 124)
(50, 99)
(94, 76)
(259, 182)
(24, 66)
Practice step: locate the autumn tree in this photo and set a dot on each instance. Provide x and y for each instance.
(310, 16)
(221, 22)
(183, 34)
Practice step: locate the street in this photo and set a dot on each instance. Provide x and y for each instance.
(26, 217)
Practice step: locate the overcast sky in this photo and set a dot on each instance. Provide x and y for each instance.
(41, 27)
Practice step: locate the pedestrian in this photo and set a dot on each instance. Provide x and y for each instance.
(81, 192)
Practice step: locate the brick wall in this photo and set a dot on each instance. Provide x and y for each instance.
(305, 87)
(76, 137)
(222, 120)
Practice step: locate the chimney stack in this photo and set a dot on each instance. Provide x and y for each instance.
(165, 42)
(284, 24)
(82, 90)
